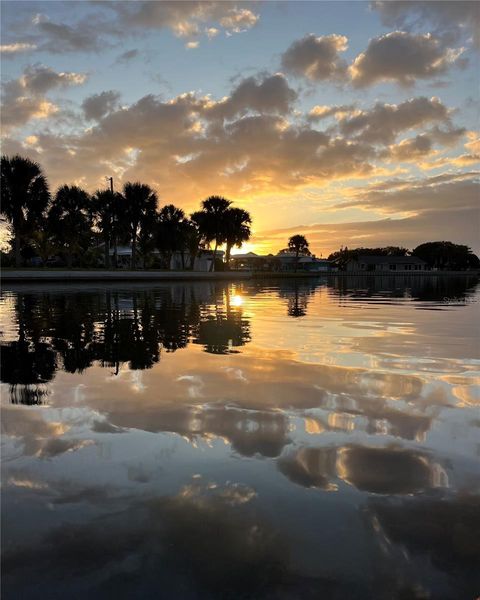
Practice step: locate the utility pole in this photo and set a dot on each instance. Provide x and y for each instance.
(115, 259)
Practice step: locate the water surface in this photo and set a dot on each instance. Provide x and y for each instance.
(270, 440)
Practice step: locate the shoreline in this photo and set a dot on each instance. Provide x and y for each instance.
(64, 275)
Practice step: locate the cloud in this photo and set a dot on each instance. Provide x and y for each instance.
(436, 208)
(384, 122)
(268, 95)
(185, 19)
(456, 192)
(192, 45)
(238, 20)
(411, 149)
(39, 79)
(16, 48)
(316, 58)
(24, 98)
(98, 105)
(127, 56)
(402, 58)
(453, 20)
(318, 112)
(86, 35)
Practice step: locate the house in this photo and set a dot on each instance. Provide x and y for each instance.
(288, 262)
(386, 264)
(202, 261)
(283, 261)
(254, 262)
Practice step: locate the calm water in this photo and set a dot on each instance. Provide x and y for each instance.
(281, 440)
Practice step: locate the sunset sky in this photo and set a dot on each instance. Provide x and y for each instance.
(354, 123)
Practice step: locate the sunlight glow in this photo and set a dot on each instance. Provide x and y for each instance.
(236, 300)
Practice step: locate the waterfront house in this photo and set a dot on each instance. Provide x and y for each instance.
(283, 261)
(385, 264)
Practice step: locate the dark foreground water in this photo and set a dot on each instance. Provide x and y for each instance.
(281, 440)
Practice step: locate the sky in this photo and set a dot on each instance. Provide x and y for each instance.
(353, 123)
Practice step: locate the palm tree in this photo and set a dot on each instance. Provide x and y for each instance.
(70, 220)
(193, 237)
(170, 231)
(24, 197)
(212, 223)
(43, 243)
(140, 206)
(237, 229)
(105, 208)
(299, 245)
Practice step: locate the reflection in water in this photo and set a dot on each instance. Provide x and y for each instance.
(279, 440)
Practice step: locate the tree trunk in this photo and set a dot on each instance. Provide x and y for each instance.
(296, 260)
(18, 256)
(228, 249)
(115, 252)
(107, 254)
(212, 266)
(183, 259)
(69, 258)
(133, 257)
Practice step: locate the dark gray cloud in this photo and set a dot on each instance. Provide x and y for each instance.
(402, 58)
(316, 58)
(127, 56)
(384, 122)
(98, 105)
(267, 95)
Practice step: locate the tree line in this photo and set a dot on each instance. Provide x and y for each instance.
(437, 255)
(68, 222)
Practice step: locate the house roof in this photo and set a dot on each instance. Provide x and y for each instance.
(390, 260)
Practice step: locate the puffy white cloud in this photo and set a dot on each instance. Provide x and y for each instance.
(402, 58)
(316, 58)
(238, 20)
(98, 105)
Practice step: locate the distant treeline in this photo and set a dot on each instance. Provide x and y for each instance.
(72, 224)
(437, 255)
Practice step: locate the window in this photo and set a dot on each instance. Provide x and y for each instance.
(392, 267)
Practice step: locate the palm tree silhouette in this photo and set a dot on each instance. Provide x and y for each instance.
(69, 219)
(237, 229)
(140, 206)
(170, 231)
(299, 245)
(212, 222)
(105, 209)
(24, 197)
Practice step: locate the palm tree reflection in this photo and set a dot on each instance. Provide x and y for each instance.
(74, 331)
